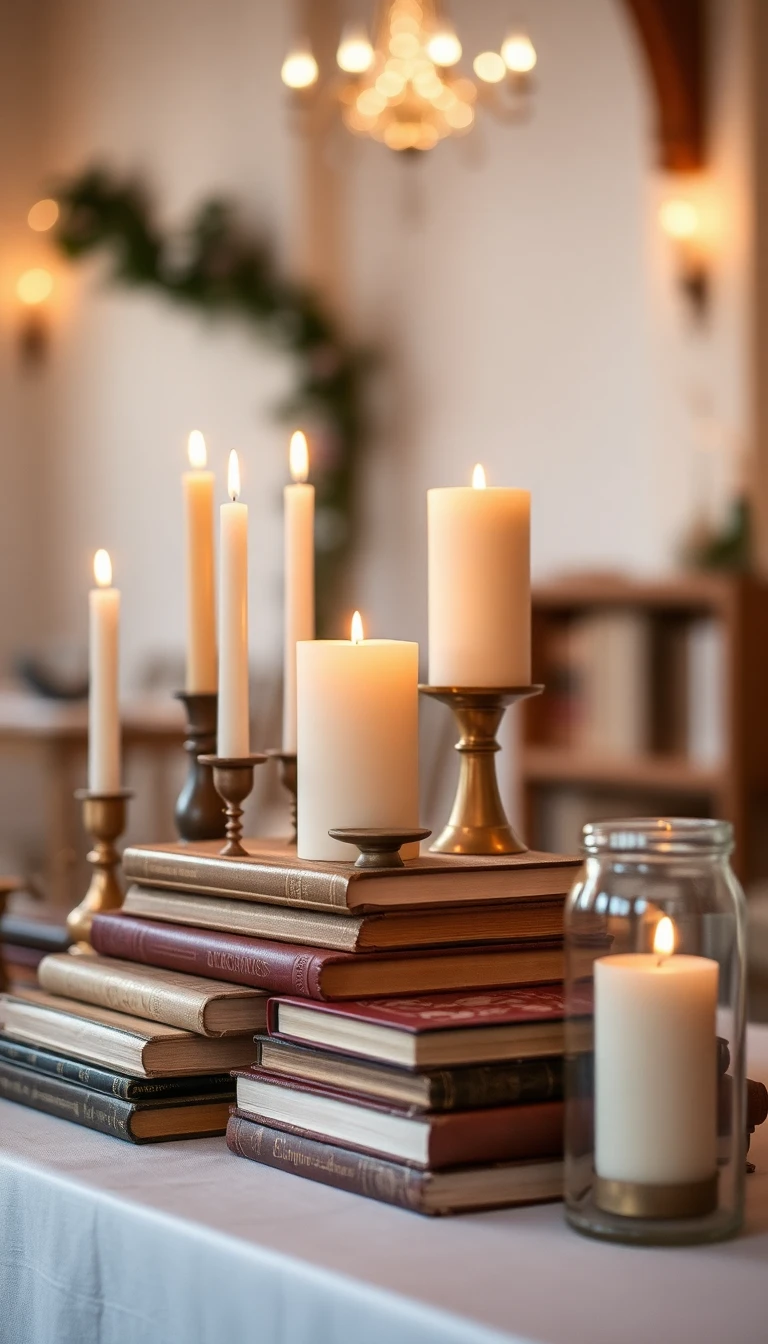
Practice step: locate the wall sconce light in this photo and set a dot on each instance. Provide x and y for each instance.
(682, 221)
(33, 287)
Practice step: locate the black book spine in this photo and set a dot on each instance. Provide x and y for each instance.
(103, 1080)
(525, 1081)
(68, 1101)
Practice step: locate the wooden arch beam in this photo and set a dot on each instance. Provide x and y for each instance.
(673, 36)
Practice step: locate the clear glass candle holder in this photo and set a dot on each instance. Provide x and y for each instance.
(655, 1144)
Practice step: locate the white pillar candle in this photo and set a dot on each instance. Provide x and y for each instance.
(103, 709)
(656, 1065)
(479, 585)
(197, 489)
(233, 735)
(358, 752)
(299, 518)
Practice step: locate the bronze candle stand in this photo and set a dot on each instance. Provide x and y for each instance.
(287, 760)
(104, 816)
(233, 779)
(199, 814)
(379, 846)
(478, 823)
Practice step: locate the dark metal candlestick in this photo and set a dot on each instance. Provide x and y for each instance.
(379, 847)
(288, 763)
(233, 778)
(104, 817)
(199, 814)
(478, 823)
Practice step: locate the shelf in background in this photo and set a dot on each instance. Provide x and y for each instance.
(561, 765)
(693, 593)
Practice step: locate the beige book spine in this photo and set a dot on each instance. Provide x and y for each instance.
(122, 991)
(253, 881)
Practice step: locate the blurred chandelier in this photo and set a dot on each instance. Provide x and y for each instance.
(405, 91)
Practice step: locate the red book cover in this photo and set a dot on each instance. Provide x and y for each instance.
(442, 1012)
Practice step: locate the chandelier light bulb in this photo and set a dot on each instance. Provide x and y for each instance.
(444, 47)
(679, 219)
(355, 53)
(299, 69)
(489, 67)
(518, 53)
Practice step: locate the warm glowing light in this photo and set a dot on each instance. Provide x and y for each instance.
(198, 457)
(233, 476)
(298, 456)
(357, 628)
(299, 70)
(102, 569)
(478, 477)
(404, 45)
(679, 219)
(43, 215)
(460, 116)
(518, 53)
(444, 47)
(355, 53)
(370, 103)
(34, 286)
(390, 84)
(664, 937)
(489, 67)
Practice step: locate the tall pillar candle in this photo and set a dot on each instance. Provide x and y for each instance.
(358, 752)
(299, 521)
(197, 487)
(103, 707)
(233, 734)
(479, 585)
(656, 1065)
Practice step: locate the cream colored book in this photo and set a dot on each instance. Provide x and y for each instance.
(118, 1041)
(207, 1007)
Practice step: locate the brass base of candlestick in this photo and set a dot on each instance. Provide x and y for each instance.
(233, 778)
(379, 846)
(199, 814)
(287, 761)
(635, 1199)
(478, 823)
(104, 819)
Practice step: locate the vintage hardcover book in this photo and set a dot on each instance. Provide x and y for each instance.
(492, 1186)
(430, 1031)
(271, 872)
(469, 1088)
(420, 1139)
(487, 923)
(104, 1080)
(319, 973)
(136, 1121)
(188, 1001)
(117, 1041)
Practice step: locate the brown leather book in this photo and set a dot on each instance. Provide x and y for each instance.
(489, 923)
(271, 872)
(492, 1186)
(434, 1140)
(206, 1007)
(318, 973)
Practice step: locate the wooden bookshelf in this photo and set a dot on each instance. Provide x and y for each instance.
(734, 785)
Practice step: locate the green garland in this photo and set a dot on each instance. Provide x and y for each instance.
(212, 266)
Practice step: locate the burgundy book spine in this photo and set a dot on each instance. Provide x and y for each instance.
(281, 968)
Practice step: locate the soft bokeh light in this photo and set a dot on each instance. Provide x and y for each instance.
(518, 53)
(355, 53)
(298, 456)
(102, 568)
(34, 286)
(444, 47)
(299, 70)
(664, 937)
(233, 476)
(43, 215)
(478, 477)
(489, 67)
(196, 450)
(356, 634)
(679, 219)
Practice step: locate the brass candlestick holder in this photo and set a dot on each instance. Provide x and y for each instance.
(478, 823)
(104, 817)
(287, 760)
(199, 814)
(233, 779)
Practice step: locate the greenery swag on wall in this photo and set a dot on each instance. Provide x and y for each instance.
(212, 266)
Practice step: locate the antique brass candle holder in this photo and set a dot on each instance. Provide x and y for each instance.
(104, 816)
(478, 823)
(233, 779)
(287, 760)
(199, 814)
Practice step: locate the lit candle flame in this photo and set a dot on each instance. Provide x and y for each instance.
(102, 569)
(357, 628)
(298, 456)
(233, 476)
(478, 477)
(198, 456)
(664, 938)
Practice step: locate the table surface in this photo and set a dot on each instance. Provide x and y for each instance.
(187, 1224)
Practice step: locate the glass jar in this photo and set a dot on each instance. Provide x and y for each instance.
(655, 1144)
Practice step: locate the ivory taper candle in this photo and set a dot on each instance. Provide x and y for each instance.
(103, 708)
(299, 521)
(479, 585)
(197, 488)
(358, 743)
(233, 734)
(656, 1065)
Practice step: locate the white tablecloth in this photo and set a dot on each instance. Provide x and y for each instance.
(184, 1244)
